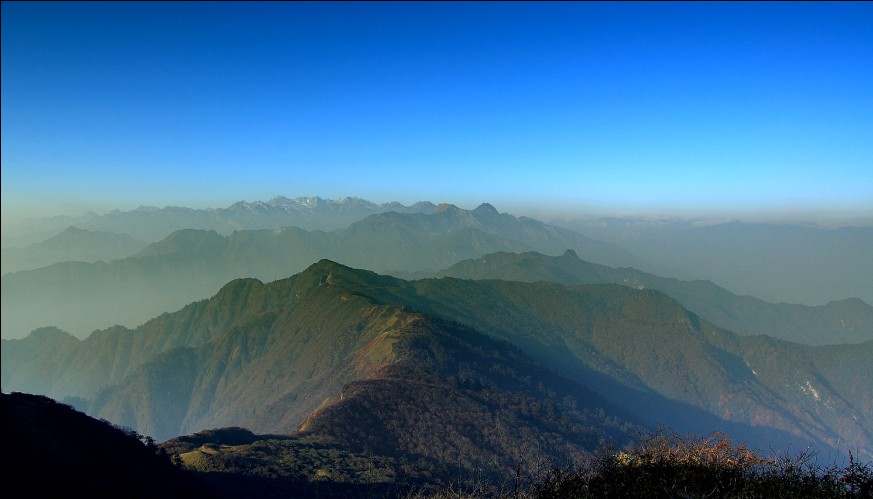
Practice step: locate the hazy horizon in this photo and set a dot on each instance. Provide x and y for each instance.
(809, 217)
(746, 111)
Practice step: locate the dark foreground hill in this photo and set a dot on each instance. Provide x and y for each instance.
(190, 265)
(844, 321)
(52, 450)
(446, 367)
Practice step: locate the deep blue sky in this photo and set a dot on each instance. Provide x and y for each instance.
(624, 107)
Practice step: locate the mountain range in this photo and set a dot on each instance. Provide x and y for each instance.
(843, 321)
(496, 344)
(190, 264)
(437, 368)
(778, 262)
(151, 224)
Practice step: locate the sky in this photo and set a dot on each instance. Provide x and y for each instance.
(669, 108)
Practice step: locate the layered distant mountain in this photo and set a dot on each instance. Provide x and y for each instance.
(152, 224)
(191, 264)
(437, 368)
(844, 321)
(777, 262)
(73, 244)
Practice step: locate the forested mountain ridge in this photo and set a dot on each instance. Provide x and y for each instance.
(265, 356)
(843, 321)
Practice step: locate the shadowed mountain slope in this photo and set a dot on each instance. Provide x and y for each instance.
(844, 321)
